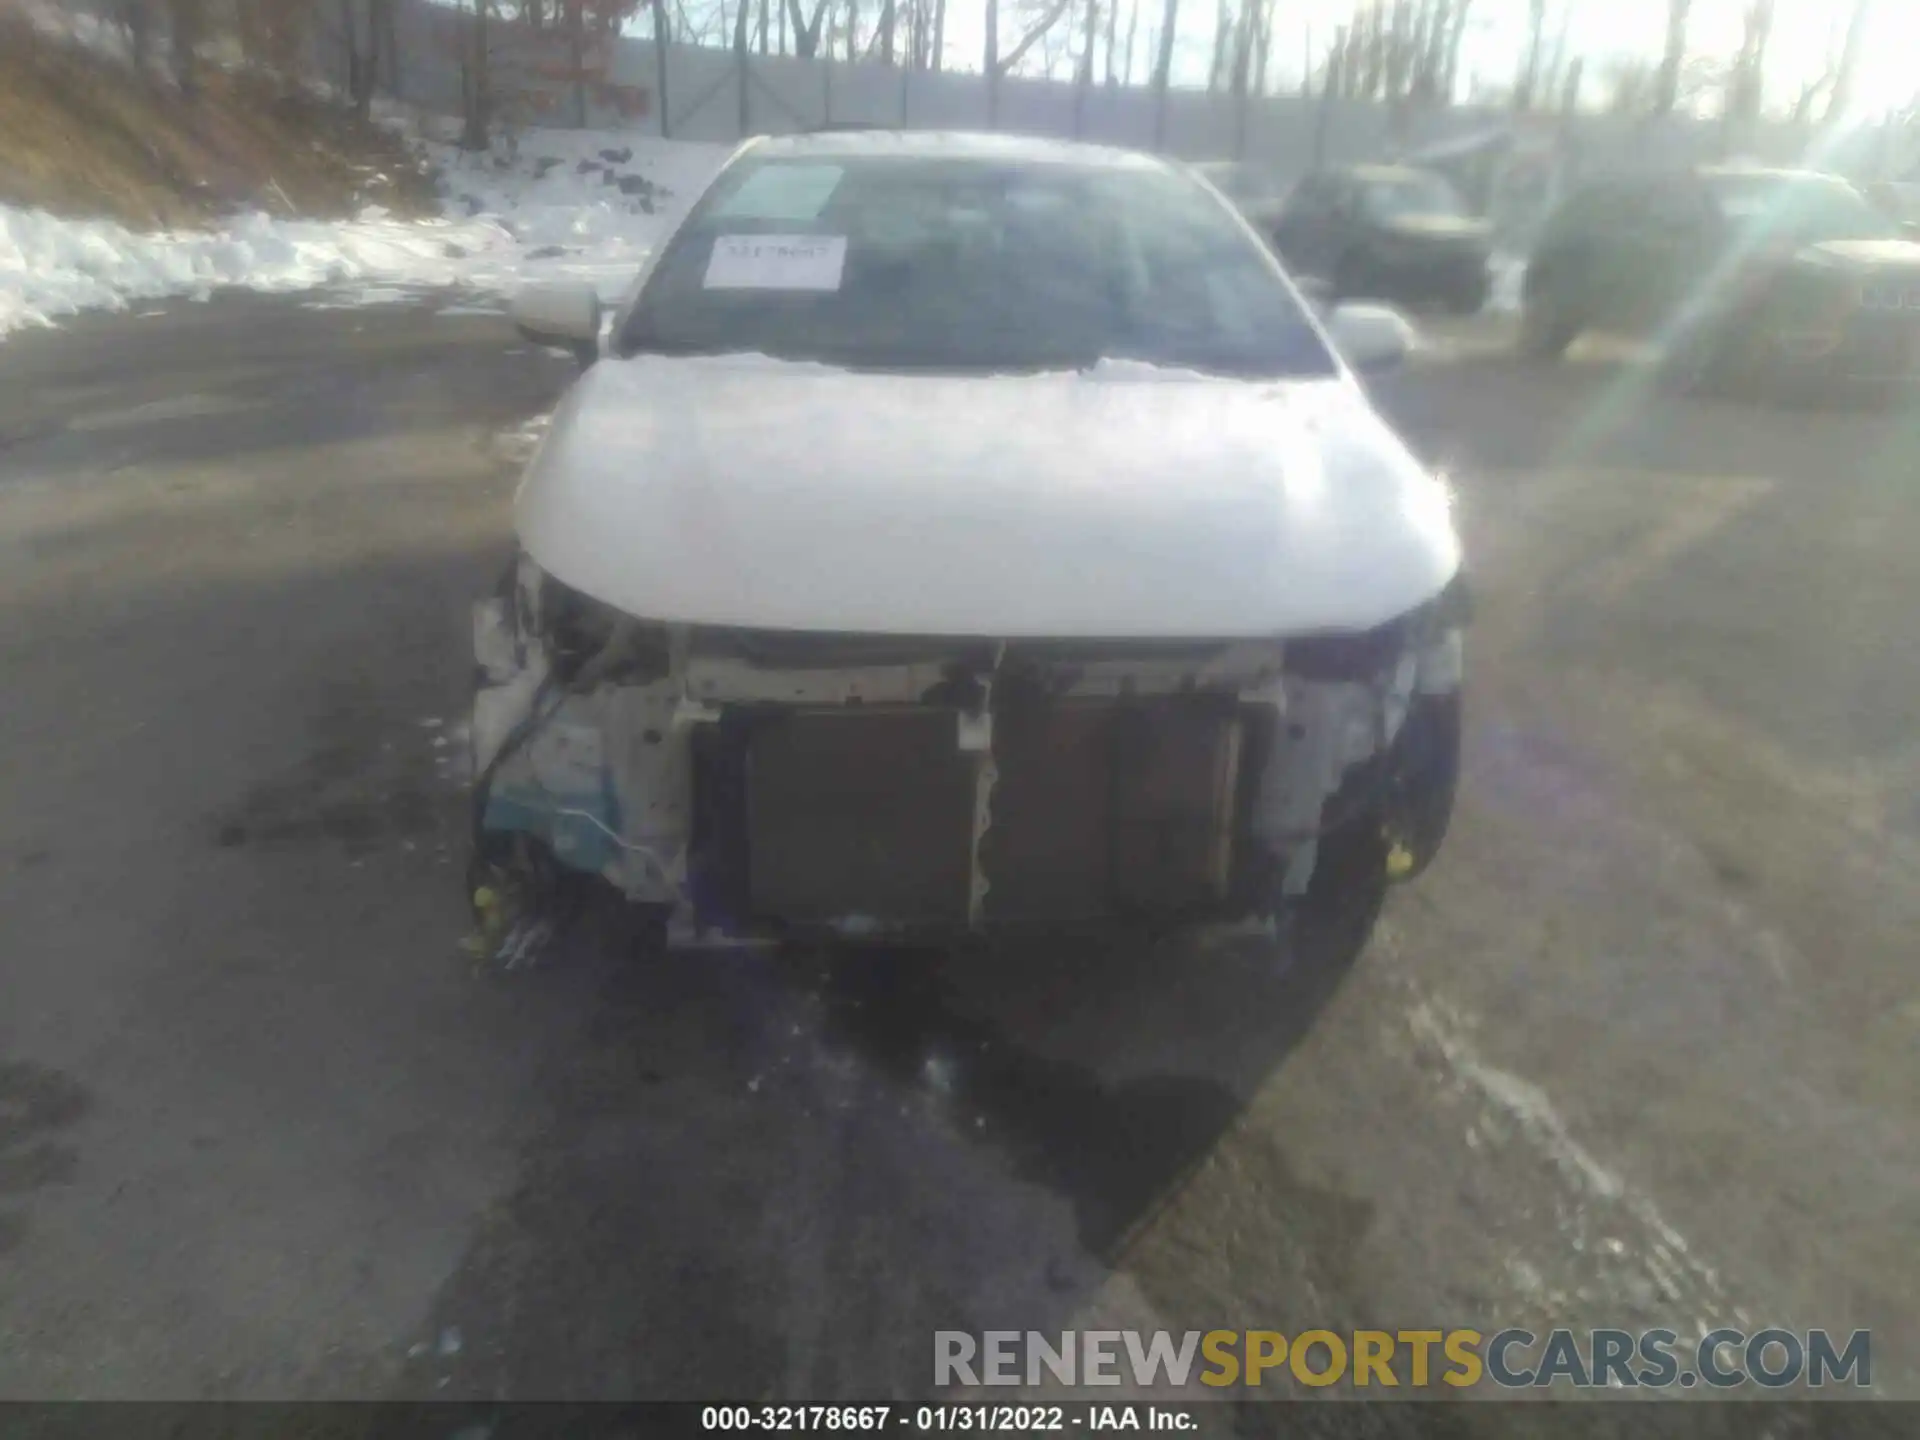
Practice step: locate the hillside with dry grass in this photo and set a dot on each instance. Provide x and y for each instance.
(85, 134)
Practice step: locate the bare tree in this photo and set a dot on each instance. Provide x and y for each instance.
(1746, 81)
(939, 34)
(990, 62)
(1840, 93)
(806, 31)
(1666, 80)
(1041, 17)
(1162, 69)
(1529, 78)
(1456, 32)
(662, 37)
(1083, 65)
(1222, 30)
(476, 98)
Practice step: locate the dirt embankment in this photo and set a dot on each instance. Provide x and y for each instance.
(83, 134)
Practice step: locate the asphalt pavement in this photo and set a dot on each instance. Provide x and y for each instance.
(1643, 1047)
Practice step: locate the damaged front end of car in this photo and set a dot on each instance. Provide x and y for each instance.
(740, 782)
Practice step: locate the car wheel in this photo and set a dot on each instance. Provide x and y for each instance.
(1546, 328)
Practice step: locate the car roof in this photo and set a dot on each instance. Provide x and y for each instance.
(954, 145)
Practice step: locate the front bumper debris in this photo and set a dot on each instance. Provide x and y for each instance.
(898, 785)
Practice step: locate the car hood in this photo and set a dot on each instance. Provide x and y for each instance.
(1439, 229)
(1125, 501)
(1866, 256)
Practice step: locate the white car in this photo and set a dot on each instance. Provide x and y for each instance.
(957, 533)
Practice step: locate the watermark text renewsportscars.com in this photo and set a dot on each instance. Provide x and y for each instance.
(1722, 1359)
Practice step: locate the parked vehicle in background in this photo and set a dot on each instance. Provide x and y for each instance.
(1748, 274)
(962, 533)
(1899, 198)
(1256, 191)
(1386, 232)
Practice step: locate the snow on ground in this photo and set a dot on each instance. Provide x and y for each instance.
(552, 206)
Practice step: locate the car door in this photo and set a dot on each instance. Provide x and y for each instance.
(1303, 231)
(1665, 244)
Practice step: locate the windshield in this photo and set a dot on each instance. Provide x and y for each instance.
(904, 262)
(1414, 194)
(1808, 210)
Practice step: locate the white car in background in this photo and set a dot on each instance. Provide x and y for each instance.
(965, 533)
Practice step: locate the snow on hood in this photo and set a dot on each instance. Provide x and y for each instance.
(507, 224)
(1124, 502)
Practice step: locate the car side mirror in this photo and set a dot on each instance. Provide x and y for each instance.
(1371, 338)
(566, 314)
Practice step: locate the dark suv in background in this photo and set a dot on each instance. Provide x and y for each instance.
(1386, 232)
(1748, 275)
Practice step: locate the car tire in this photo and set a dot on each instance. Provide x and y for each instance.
(1546, 328)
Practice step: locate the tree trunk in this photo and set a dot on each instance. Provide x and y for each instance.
(1033, 36)
(742, 28)
(662, 37)
(1841, 95)
(939, 34)
(1133, 29)
(376, 55)
(1113, 36)
(1530, 73)
(853, 27)
(1083, 73)
(1263, 47)
(576, 21)
(1162, 69)
(1222, 28)
(1456, 32)
(806, 33)
(990, 63)
(474, 96)
(350, 49)
(885, 37)
(1666, 83)
(389, 24)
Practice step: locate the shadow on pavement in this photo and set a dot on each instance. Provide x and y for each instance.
(777, 1174)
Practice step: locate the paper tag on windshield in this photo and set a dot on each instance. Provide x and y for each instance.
(776, 262)
(783, 191)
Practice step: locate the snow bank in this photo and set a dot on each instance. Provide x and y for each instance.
(552, 207)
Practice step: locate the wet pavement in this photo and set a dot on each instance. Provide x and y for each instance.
(1643, 1048)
